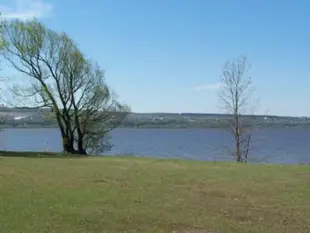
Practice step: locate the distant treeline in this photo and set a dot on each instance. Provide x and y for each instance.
(169, 121)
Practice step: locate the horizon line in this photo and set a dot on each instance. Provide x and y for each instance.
(210, 113)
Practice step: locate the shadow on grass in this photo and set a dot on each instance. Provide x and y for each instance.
(30, 154)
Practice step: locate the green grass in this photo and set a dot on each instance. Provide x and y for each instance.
(124, 194)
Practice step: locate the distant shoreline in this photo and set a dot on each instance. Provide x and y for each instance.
(163, 127)
(23, 118)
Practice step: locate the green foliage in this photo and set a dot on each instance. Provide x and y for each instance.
(26, 37)
(62, 79)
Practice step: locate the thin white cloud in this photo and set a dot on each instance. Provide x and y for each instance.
(207, 87)
(26, 9)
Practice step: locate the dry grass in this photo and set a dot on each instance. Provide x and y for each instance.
(114, 194)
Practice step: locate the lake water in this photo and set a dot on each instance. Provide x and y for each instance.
(269, 145)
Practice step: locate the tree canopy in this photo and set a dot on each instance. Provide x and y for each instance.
(64, 80)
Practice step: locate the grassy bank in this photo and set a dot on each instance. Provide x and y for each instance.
(114, 194)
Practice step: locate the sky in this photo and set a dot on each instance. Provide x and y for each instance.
(167, 55)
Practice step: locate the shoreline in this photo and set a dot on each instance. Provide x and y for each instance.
(49, 154)
(172, 128)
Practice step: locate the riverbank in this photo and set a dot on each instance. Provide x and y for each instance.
(126, 194)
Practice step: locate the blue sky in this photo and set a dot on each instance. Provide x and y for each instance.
(166, 55)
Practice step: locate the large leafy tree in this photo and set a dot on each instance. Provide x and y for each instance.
(61, 78)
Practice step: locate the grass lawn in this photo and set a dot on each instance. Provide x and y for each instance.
(125, 194)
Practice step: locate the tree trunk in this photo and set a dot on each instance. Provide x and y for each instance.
(81, 149)
(67, 145)
(238, 151)
(82, 152)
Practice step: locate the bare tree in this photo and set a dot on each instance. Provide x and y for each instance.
(236, 98)
(62, 79)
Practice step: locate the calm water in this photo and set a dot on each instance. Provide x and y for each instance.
(270, 145)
